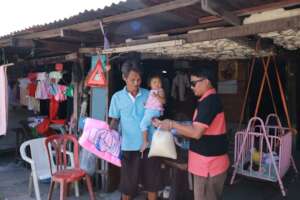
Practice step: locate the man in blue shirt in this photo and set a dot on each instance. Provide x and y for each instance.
(127, 110)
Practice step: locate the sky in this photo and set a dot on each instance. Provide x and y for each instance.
(17, 15)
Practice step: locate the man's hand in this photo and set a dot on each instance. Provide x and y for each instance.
(114, 124)
(144, 146)
(164, 124)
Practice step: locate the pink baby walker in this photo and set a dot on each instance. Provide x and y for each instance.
(263, 151)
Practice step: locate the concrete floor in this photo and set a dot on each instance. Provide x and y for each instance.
(14, 186)
(14, 181)
(14, 175)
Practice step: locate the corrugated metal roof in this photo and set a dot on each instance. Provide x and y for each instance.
(86, 15)
(189, 14)
(172, 22)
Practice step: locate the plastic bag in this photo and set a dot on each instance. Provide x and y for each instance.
(162, 145)
(98, 139)
(88, 162)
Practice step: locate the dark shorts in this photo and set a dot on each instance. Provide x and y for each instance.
(135, 170)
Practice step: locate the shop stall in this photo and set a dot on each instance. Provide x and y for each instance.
(82, 60)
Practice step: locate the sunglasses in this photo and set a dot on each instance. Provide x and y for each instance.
(193, 83)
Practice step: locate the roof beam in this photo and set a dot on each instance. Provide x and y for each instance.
(18, 43)
(56, 46)
(79, 36)
(252, 10)
(214, 8)
(264, 43)
(227, 32)
(247, 29)
(171, 43)
(50, 60)
(22, 43)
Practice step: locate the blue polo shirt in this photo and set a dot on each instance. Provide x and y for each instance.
(130, 112)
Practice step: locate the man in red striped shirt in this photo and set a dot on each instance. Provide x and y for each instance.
(208, 160)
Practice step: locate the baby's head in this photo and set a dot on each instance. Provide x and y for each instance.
(155, 82)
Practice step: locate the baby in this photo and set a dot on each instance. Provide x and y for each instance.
(153, 106)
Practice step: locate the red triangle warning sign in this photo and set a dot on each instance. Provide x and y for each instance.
(96, 78)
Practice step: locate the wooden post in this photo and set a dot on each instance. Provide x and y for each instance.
(77, 95)
(291, 93)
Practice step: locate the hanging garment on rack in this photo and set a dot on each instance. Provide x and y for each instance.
(179, 85)
(32, 76)
(53, 108)
(61, 93)
(42, 90)
(53, 112)
(42, 76)
(53, 89)
(33, 104)
(23, 84)
(70, 91)
(43, 86)
(3, 101)
(31, 89)
(55, 75)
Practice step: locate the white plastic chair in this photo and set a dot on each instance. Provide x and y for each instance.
(39, 163)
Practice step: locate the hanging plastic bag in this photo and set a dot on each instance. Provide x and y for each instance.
(105, 63)
(101, 141)
(88, 162)
(162, 145)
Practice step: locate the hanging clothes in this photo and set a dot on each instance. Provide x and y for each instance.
(53, 89)
(43, 86)
(70, 91)
(55, 76)
(61, 93)
(53, 108)
(179, 85)
(32, 76)
(33, 103)
(23, 84)
(42, 90)
(3, 101)
(53, 112)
